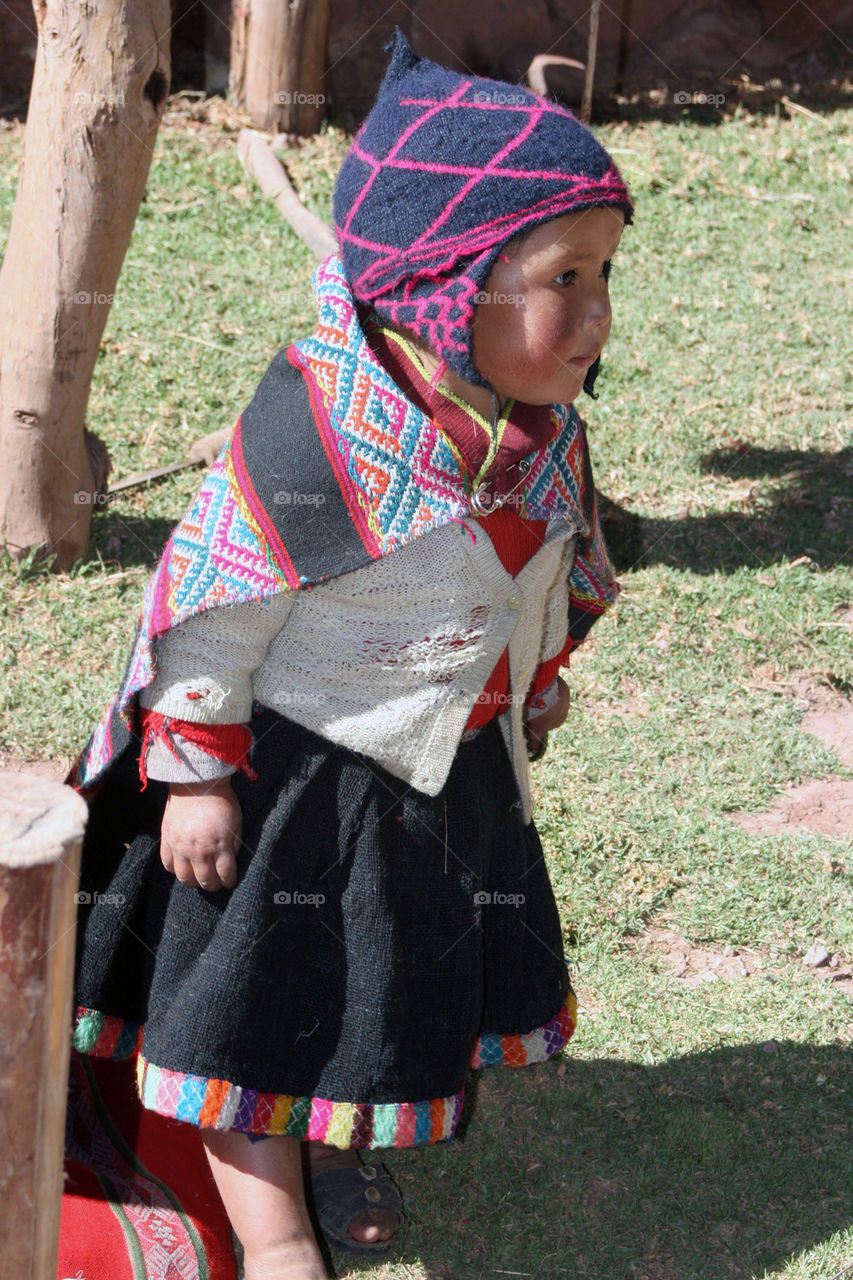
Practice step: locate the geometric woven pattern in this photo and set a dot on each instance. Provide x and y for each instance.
(534, 1046)
(218, 1104)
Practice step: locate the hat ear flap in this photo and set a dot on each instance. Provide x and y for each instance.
(403, 58)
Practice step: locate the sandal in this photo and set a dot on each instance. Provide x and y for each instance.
(340, 1195)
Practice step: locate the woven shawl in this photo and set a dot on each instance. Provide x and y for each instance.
(329, 468)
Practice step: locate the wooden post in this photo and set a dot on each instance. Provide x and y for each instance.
(278, 63)
(100, 86)
(41, 831)
(591, 53)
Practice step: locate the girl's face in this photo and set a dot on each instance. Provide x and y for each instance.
(545, 313)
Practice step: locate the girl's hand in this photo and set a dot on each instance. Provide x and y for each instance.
(538, 726)
(200, 834)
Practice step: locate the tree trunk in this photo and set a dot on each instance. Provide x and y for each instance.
(41, 830)
(278, 63)
(99, 88)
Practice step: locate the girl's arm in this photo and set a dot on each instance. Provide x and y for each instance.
(204, 679)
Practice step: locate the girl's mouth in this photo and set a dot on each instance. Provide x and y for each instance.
(583, 362)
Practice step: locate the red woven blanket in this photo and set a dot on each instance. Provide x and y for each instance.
(139, 1200)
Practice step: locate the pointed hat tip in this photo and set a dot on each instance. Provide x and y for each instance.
(403, 57)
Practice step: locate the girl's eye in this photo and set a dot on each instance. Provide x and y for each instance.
(566, 277)
(606, 268)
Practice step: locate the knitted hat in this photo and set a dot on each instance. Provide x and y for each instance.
(445, 169)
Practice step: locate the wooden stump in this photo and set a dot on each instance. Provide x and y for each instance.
(41, 831)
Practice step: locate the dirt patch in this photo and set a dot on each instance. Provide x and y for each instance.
(825, 806)
(53, 770)
(695, 965)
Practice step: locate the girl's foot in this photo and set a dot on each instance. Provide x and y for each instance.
(374, 1225)
(298, 1260)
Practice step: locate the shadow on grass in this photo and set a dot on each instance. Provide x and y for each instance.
(707, 1167)
(809, 511)
(129, 540)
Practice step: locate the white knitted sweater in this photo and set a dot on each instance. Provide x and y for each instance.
(388, 660)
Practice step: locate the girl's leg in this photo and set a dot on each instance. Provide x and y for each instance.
(261, 1187)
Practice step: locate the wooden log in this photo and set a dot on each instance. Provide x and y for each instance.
(99, 88)
(41, 831)
(263, 165)
(591, 54)
(278, 63)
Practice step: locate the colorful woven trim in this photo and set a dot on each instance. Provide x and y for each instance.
(105, 1036)
(493, 1050)
(218, 1104)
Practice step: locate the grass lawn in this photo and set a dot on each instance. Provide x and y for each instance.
(697, 1129)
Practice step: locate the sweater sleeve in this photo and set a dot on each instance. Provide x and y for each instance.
(168, 756)
(204, 683)
(205, 666)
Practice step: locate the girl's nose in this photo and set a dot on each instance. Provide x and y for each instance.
(598, 312)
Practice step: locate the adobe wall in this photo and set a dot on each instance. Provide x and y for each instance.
(687, 45)
(690, 46)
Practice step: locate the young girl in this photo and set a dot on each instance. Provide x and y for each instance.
(333, 899)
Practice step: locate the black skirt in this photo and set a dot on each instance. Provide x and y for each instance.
(378, 943)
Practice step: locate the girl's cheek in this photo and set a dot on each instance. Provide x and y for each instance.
(553, 330)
